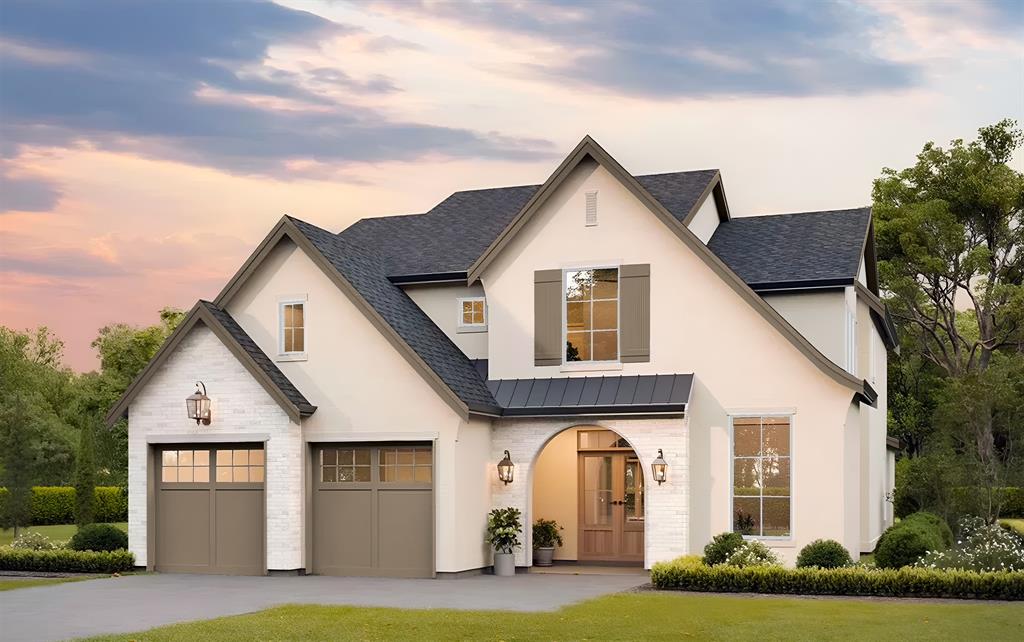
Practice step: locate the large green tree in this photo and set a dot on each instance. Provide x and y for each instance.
(950, 235)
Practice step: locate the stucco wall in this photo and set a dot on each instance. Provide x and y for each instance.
(440, 302)
(556, 490)
(819, 316)
(873, 362)
(365, 389)
(706, 220)
(239, 405)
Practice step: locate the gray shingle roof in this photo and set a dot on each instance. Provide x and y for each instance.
(264, 362)
(787, 249)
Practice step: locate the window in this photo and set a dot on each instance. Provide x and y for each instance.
(592, 315)
(761, 480)
(345, 465)
(239, 465)
(293, 327)
(185, 466)
(408, 464)
(472, 314)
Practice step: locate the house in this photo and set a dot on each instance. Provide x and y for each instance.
(356, 390)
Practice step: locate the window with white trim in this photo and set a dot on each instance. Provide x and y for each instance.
(292, 328)
(761, 476)
(473, 313)
(591, 314)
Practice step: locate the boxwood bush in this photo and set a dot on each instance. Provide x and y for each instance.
(65, 560)
(56, 504)
(99, 537)
(907, 541)
(855, 580)
(721, 547)
(824, 553)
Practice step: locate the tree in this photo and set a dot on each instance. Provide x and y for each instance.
(85, 476)
(18, 457)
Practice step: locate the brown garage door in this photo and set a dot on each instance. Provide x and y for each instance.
(373, 510)
(209, 509)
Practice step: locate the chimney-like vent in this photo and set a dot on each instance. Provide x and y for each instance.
(591, 209)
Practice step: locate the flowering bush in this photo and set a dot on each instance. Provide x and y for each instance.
(503, 527)
(721, 547)
(752, 554)
(980, 547)
(34, 541)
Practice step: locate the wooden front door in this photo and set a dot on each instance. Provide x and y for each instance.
(611, 507)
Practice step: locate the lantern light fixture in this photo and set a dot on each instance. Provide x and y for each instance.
(506, 469)
(659, 468)
(198, 405)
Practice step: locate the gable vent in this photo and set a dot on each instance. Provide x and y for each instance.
(591, 209)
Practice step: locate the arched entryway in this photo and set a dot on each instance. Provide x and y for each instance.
(589, 479)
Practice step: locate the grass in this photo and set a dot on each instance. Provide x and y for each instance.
(56, 532)
(8, 584)
(1017, 524)
(630, 616)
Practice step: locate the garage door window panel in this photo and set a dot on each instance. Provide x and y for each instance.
(408, 465)
(185, 466)
(345, 465)
(240, 465)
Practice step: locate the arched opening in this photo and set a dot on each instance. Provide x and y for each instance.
(590, 480)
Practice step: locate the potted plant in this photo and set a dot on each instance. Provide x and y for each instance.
(503, 526)
(545, 538)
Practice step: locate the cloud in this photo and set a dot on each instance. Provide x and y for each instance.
(63, 262)
(145, 72)
(668, 49)
(27, 193)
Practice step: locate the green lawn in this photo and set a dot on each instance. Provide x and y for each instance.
(7, 584)
(62, 532)
(1017, 524)
(631, 616)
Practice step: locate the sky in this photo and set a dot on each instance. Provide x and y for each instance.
(146, 148)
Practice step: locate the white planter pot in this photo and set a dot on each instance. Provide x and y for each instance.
(542, 556)
(504, 564)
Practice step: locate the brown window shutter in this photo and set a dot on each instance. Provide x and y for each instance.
(547, 318)
(635, 313)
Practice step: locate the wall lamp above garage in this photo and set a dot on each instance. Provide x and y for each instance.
(198, 405)
(659, 468)
(506, 469)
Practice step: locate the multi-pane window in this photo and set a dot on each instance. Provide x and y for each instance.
(293, 328)
(472, 313)
(406, 464)
(345, 465)
(239, 465)
(185, 466)
(592, 315)
(761, 480)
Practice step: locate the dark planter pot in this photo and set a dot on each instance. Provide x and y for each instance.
(542, 556)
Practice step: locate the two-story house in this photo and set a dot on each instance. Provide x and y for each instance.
(655, 370)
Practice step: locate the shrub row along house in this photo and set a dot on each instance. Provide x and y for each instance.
(358, 389)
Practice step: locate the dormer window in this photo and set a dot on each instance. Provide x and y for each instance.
(592, 315)
(292, 329)
(472, 314)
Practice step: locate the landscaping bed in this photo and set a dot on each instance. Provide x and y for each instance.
(95, 548)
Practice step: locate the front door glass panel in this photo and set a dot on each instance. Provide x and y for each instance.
(597, 490)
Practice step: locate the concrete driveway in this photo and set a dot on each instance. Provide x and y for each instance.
(139, 602)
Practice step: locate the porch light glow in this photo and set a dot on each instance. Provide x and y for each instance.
(198, 405)
(506, 469)
(659, 468)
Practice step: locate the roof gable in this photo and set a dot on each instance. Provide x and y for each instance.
(259, 365)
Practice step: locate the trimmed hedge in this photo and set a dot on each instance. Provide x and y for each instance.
(824, 553)
(905, 582)
(907, 541)
(56, 504)
(65, 561)
(965, 501)
(99, 537)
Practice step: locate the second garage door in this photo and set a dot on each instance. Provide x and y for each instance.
(373, 510)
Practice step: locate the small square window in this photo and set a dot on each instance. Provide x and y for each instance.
(473, 313)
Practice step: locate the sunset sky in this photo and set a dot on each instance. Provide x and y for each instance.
(147, 147)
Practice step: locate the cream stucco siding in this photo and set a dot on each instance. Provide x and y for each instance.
(556, 488)
(699, 325)
(441, 303)
(365, 390)
(819, 316)
(706, 220)
(873, 361)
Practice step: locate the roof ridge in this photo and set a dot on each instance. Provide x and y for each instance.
(780, 214)
(681, 171)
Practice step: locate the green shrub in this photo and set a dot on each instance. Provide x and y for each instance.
(65, 561)
(545, 534)
(854, 580)
(752, 553)
(982, 547)
(721, 547)
(99, 537)
(824, 553)
(503, 527)
(56, 504)
(935, 523)
(904, 544)
(36, 542)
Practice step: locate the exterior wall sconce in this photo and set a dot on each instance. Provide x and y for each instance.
(506, 469)
(198, 405)
(659, 468)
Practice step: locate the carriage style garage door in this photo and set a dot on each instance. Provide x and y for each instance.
(210, 509)
(373, 510)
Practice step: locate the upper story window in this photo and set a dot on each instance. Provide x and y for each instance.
(761, 477)
(592, 314)
(472, 314)
(292, 341)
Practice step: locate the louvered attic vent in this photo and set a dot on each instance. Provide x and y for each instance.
(591, 209)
